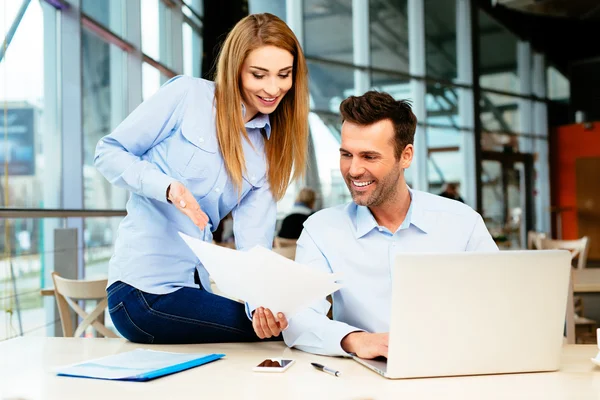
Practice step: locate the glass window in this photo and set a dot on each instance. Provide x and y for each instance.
(445, 158)
(151, 80)
(192, 51)
(30, 262)
(497, 56)
(329, 85)
(29, 137)
(275, 7)
(151, 28)
(110, 13)
(325, 132)
(330, 19)
(499, 113)
(99, 235)
(397, 86)
(559, 87)
(440, 38)
(196, 5)
(389, 34)
(104, 89)
(442, 103)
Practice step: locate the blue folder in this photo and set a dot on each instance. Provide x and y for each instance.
(138, 365)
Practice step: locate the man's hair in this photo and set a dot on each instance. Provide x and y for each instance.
(375, 106)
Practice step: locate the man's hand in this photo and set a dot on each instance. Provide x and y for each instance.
(366, 345)
(185, 202)
(265, 325)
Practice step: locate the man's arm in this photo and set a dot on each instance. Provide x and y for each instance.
(310, 330)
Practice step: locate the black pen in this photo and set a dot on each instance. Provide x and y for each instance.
(325, 369)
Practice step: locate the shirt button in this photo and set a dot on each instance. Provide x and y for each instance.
(201, 140)
(380, 229)
(217, 190)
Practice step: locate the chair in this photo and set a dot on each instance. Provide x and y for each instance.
(579, 250)
(68, 291)
(533, 239)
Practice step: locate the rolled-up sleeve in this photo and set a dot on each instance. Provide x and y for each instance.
(119, 155)
(311, 330)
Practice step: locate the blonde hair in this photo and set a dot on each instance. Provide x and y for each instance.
(287, 147)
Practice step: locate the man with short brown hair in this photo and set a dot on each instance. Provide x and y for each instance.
(361, 240)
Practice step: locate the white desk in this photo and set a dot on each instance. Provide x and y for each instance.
(26, 373)
(586, 280)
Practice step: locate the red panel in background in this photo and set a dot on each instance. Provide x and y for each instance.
(571, 142)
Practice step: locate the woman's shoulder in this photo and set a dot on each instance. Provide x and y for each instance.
(198, 88)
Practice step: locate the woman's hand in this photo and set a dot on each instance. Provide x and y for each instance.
(185, 202)
(265, 325)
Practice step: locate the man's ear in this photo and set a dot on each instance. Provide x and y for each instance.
(407, 156)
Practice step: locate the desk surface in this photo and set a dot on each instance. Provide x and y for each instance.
(586, 280)
(26, 366)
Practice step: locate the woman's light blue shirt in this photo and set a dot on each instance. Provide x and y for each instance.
(172, 137)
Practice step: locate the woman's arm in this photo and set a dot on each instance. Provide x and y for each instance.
(118, 155)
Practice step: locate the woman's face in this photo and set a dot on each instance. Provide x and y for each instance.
(266, 78)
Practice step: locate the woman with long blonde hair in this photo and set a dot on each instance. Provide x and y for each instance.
(191, 154)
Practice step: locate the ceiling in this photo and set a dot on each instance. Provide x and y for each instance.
(578, 9)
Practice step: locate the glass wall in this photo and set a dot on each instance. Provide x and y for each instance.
(49, 105)
(388, 30)
(498, 56)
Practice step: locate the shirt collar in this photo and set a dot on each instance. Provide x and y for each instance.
(365, 221)
(260, 121)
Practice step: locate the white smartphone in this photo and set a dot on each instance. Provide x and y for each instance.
(274, 365)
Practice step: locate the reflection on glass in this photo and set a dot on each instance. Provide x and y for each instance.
(389, 34)
(109, 13)
(440, 38)
(329, 85)
(498, 56)
(328, 29)
(103, 109)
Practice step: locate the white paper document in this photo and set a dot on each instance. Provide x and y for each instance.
(263, 278)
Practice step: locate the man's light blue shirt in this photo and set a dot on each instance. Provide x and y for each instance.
(172, 137)
(347, 240)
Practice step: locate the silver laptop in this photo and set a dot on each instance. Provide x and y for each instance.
(476, 313)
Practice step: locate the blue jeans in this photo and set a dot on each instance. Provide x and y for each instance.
(185, 316)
